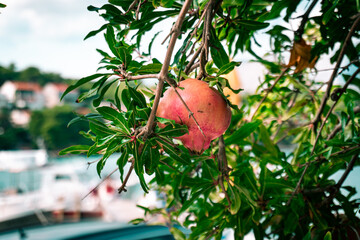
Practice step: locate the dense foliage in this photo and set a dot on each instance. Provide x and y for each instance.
(246, 181)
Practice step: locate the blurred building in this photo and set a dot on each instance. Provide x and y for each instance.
(52, 93)
(21, 98)
(23, 95)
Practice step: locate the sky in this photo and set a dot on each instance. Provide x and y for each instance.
(49, 35)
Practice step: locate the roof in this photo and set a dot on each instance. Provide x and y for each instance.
(61, 87)
(27, 86)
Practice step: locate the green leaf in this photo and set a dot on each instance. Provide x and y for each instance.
(232, 3)
(121, 162)
(124, 55)
(166, 3)
(126, 98)
(100, 129)
(175, 130)
(77, 149)
(235, 199)
(268, 143)
(328, 236)
(138, 97)
(204, 188)
(111, 41)
(83, 81)
(2, 5)
(243, 132)
(100, 166)
(173, 153)
(252, 25)
(227, 68)
(150, 68)
(139, 165)
(117, 99)
(151, 157)
(97, 101)
(115, 116)
(93, 33)
(217, 51)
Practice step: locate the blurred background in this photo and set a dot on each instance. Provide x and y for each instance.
(42, 52)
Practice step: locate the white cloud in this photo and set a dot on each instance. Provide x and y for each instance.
(49, 35)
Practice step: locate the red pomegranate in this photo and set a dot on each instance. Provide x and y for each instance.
(209, 108)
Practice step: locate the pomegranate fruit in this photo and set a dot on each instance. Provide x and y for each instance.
(209, 108)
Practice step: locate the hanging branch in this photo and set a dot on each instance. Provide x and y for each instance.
(325, 98)
(304, 20)
(339, 126)
(204, 54)
(341, 92)
(163, 75)
(268, 91)
(334, 73)
(350, 166)
(98, 185)
(223, 167)
(123, 185)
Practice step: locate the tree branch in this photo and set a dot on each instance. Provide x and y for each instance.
(326, 97)
(268, 91)
(123, 185)
(102, 181)
(223, 167)
(343, 89)
(350, 166)
(339, 126)
(304, 20)
(334, 73)
(163, 75)
(205, 39)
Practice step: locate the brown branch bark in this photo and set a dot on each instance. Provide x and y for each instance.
(123, 185)
(343, 89)
(92, 190)
(335, 72)
(223, 167)
(326, 97)
(163, 75)
(305, 18)
(339, 126)
(338, 185)
(204, 55)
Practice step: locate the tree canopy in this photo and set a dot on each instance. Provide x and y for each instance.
(246, 181)
(29, 74)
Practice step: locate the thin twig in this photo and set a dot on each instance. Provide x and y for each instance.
(305, 18)
(298, 183)
(123, 185)
(339, 126)
(188, 67)
(325, 98)
(342, 68)
(102, 181)
(341, 181)
(343, 89)
(127, 76)
(335, 72)
(193, 33)
(223, 167)
(268, 91)
(132, 5)
(206, 38)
